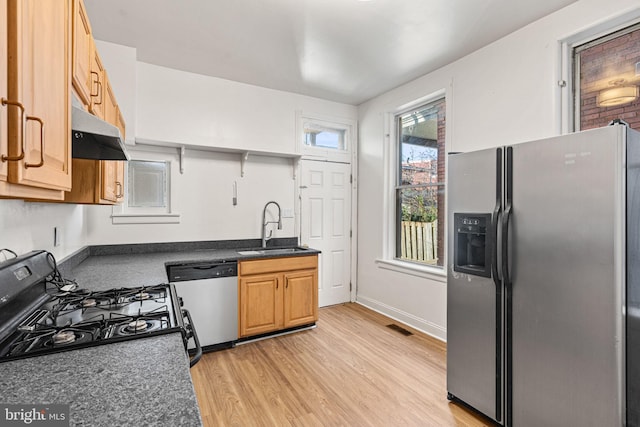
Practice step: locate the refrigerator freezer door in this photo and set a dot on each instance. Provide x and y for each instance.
(473, 326)
(567, 269)
(632, 342)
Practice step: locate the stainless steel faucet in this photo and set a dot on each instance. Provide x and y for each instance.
(265, 238)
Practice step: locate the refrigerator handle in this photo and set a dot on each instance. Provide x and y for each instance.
(506, 216)
(495, 221)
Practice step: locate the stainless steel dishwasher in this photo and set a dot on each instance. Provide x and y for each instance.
(210, 290)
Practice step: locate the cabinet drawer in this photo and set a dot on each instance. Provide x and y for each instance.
(272, 265)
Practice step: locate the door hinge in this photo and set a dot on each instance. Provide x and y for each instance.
(350, 233)
(350, 287)
(351, 179)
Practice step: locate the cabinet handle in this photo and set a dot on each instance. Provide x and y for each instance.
(37, 165)
(97, 80)
(100, 92)
(119, 192)
(98, 87)
(24, 129)
(277, 282)
(286, 284)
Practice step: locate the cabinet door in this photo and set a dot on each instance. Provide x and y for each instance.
(39, 45)
(119, 181)
(300, 298)
(4, 140)
(110, 103)
(260, 304)
(108, 190)
(120, 124)
(98, 92)
(82, 40)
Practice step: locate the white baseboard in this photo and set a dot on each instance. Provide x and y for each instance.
(408, 319)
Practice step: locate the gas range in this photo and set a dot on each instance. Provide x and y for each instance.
(38, 316)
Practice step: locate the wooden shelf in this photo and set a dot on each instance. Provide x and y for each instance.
(244, 153)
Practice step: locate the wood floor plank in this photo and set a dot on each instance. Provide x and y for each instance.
(352, 370)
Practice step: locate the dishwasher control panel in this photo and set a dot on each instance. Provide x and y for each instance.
(201, 270)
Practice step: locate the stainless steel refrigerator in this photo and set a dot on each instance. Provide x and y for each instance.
(543, 288)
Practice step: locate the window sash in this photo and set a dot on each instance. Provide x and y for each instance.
(148, 186)
(418, 241)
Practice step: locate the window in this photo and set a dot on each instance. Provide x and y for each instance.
(147, 194)
(317, 136)
(420, 184)
(148, 183)
(606, 75)
(326, 138)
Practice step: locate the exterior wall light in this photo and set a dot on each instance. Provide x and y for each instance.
(617, 96)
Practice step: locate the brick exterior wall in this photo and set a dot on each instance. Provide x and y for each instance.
(599, 65)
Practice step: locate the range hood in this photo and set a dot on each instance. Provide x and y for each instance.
(93, 138)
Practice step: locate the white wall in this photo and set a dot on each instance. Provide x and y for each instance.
(26, 226)
(188, 108)
(203, 198)
(504, 93)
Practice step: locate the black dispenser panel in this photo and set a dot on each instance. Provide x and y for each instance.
(472, 244)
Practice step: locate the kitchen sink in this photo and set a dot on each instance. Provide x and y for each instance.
(272, 251)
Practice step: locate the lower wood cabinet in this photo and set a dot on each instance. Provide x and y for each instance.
(277, 293)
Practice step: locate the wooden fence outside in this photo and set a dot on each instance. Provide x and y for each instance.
(419, 241)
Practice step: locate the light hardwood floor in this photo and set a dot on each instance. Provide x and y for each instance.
(352, 370)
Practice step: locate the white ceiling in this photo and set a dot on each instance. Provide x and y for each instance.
(343, 50)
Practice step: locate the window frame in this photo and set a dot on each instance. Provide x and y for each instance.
(576, 49)
(565, 114)
(166, 208)
(349, 127)
(388, 260)
(123, 213)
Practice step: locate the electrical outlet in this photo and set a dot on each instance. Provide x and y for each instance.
(56, 236)
(287, 213)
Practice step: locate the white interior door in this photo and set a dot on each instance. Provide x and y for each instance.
(326, 225)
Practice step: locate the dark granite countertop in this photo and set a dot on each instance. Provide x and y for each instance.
(110, 385)
(131, 383)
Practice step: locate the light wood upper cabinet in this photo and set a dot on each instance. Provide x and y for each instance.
(109, 190)
(82, 51)
(277, 293)
(119, 180)
(110, 106)
(38, 90)
(94, 181)
(121, 124)
(98, 86)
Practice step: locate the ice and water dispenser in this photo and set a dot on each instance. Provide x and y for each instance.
(472, 244)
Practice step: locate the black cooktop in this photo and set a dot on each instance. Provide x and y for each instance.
(41, 313)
